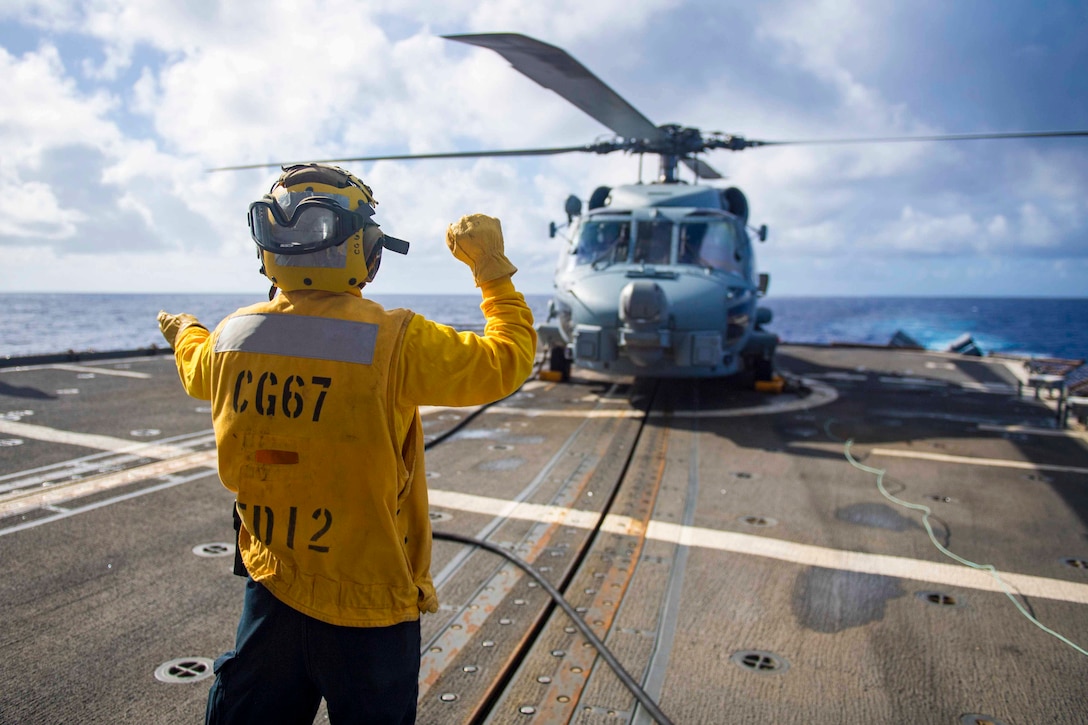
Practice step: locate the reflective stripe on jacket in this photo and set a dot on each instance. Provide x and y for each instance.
(315, 401)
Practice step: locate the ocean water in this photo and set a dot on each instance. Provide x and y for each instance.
(46, 323)
(1021, 326)
(33, 324)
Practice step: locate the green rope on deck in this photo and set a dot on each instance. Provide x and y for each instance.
(926, 512)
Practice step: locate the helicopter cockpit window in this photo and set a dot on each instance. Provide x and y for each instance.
(654, 242)
(603, 241)
(709, 244)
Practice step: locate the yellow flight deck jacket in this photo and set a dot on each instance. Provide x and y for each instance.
(315, 401)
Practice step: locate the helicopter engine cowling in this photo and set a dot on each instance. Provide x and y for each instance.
(599, 197)
(736, 202)
(644, 314)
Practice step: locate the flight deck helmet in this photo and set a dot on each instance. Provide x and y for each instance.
(314, 230)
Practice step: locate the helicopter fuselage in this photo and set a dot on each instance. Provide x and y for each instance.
(659, 281)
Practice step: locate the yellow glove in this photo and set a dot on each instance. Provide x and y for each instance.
(476, 240)
(171, 325)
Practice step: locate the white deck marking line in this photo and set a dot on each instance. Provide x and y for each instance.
(862, 563)
(466, 410)
(969, 460)
(101, 371)
(59, 493)
(749, 544)
(505, 508)
(46, 474)
(995, 388)
(821, 395)
(927, 382)
(1027, 430)
(66, 513)
(90, 440)
(470, 409)
(805, 554)
(846, 377)
(561, 413)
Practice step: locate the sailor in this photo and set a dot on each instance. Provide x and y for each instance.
(315, 404)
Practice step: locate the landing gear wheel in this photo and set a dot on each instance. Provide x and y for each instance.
(559, 363)
(763, 369)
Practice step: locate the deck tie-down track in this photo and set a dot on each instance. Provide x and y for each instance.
(505, 651)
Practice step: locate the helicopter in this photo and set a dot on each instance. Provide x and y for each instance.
(653, 280)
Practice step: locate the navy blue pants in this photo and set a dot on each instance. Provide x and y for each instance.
(284, 662)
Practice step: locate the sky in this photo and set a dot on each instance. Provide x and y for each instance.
(113, 110)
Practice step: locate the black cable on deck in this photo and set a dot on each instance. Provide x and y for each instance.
(628, 681)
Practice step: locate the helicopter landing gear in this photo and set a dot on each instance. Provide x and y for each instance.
(763, 377)
(763, 369)
(559, 363)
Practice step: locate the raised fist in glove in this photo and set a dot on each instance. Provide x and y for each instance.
(476, 240)
(171, 325)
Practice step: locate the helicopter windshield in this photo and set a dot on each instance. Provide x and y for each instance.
(710, 244)
(654, 243)
(707, 243)
(603, 241)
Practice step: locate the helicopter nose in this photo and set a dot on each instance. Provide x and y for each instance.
(643, 303)
(644, 310)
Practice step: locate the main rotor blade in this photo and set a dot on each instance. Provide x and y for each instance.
(899, 139)
(702, 169)
(411, 157)
(554, 69)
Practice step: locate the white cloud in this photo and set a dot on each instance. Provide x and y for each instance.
(129, 202)
(824, 37)
(29, 209)
(105, 142)
(918, 232)
(43, 109)
(998, 227)
(118, 58)
(1037, 228)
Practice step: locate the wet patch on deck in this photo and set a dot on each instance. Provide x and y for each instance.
(875, 515)
(501, 464)
(830, 600)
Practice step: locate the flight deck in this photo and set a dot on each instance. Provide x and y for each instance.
(743, 556)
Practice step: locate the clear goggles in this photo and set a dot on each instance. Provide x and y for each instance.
(301, 223)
